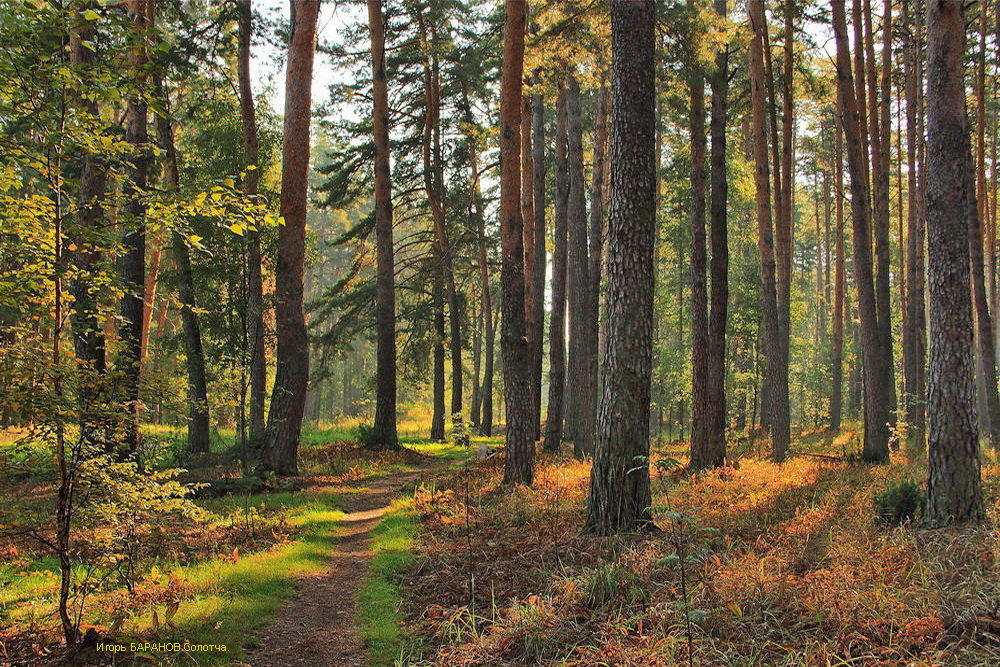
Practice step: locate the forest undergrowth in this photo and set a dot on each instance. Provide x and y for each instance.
(752, 564)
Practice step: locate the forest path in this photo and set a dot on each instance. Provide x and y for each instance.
(319, 626)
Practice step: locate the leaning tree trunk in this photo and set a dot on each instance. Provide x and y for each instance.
(877, 417)
(954, 491)
(256, 361)
(557, 320)
(520, 459)
(619, 483)
(383, 434)
(133, 262)
(284, 423)
(776, 399)
(198, 424)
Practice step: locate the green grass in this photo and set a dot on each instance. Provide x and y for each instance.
(379, 600)
(236, 599)
(229, 600)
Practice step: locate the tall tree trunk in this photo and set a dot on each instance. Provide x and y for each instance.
(198, 423)
(256, 361)
(954, 491)
(596, 240)
(520, 458)
(284, 423)
(485, 421)
(433, 172)
(877, 419)
(133, 262)
(784, 248)
(88, 336)
(531, 325)
(881, 143)
(581, 414)
(538, 272)
(839, 282)
(383, 434)
(777, 371)
(719, 267)
(557, 320)
(619, 483)
(699, 279)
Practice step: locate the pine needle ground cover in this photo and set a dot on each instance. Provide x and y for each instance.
(754, 564)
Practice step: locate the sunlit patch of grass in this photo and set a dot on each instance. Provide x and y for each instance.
(379, 600)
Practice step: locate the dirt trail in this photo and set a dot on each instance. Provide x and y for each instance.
(318, 626)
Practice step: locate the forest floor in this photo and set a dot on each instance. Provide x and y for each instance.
(273, 575)
(754, 564)
(320, 625)
(421, 558)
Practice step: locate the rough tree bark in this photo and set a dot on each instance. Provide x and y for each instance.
(520, 458)
(383, 434)
(619, 483)
(954, 491)
(284, 422)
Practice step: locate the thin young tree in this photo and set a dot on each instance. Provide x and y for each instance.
(284, 422)
(520, 458)
(619, 483)
(954, 487)
(383, 434)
